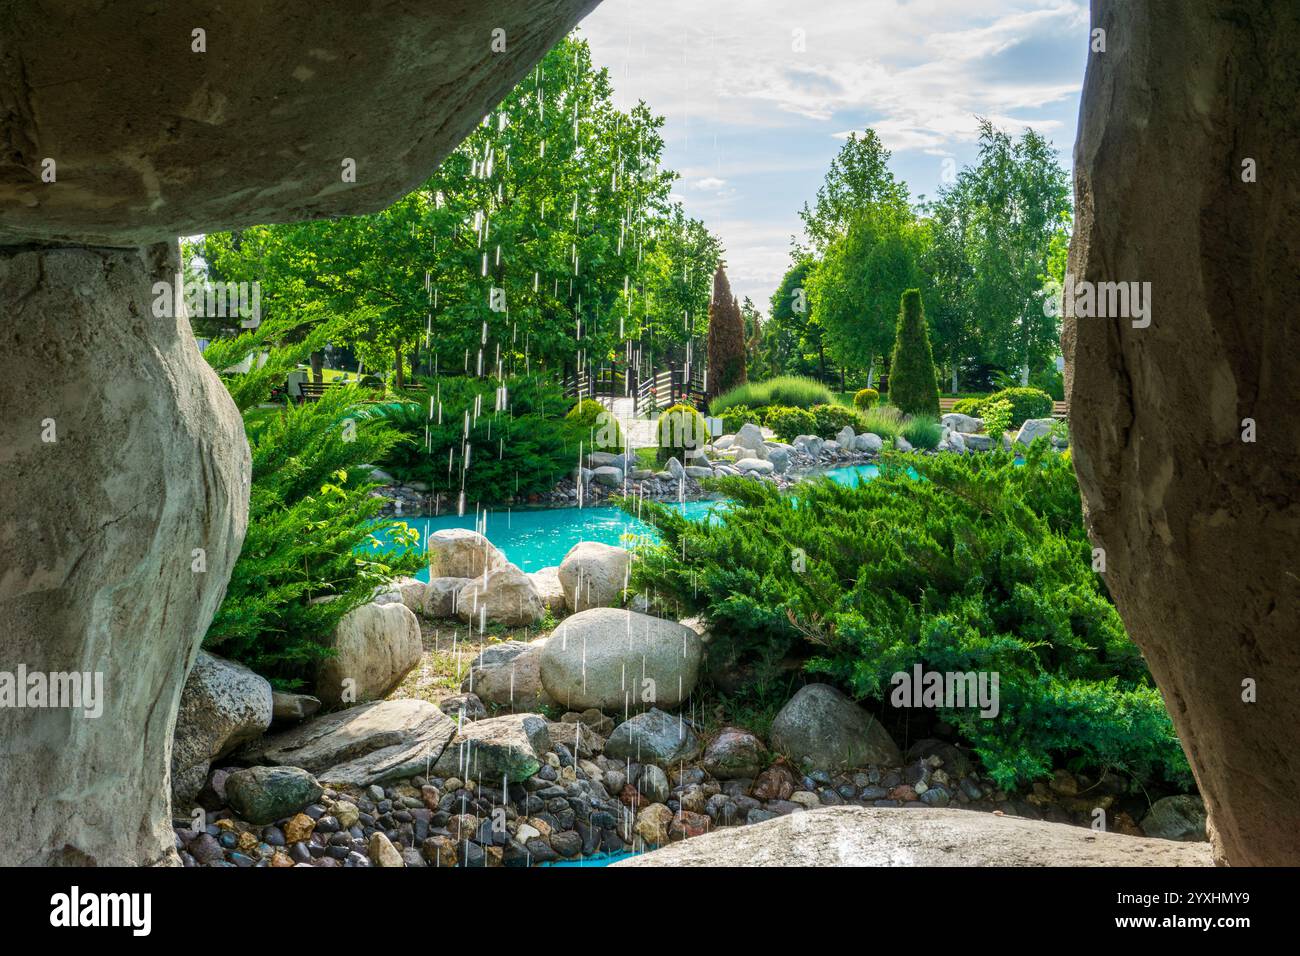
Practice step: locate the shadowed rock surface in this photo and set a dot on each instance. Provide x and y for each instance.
(865, 836)
(152, 140)
(1201, 530)
(120, 455)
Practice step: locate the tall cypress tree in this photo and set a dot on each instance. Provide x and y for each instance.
(726, 338)
(912, 384)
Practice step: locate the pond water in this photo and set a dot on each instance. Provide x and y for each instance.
(600, 859)
(536, 538)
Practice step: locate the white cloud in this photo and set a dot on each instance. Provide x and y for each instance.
(710, 184)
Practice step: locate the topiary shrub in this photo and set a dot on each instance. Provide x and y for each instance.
(600, 427)
(865, 398)
(913, 387)
(1025, 403)
(830, 419)
(955, 564)
(789, 423)
(678, 429)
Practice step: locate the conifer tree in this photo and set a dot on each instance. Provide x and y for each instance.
(912, 384)
(726, 338)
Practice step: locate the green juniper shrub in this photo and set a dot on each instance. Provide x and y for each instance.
(602, 431)
(312, 551)
(922, 433)
(831, 419)
(680, 427)
(519, 450)
(913, 386)
(789, 423)
(955, 563)
(792, 390)
(864, 398)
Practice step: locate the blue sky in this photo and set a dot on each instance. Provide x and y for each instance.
(759, 94)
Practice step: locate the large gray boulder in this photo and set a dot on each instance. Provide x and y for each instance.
(594, 575)
(872, 837)
(509, 675)
(505, 595)
(1180, 817)
(1185, 437)
(124, 478)
(653, 737)
(223, 705)
(821, 729)
(461, 553)
(389, 85)
(375, 646)
(407, 591)
(440, 596)
(962, 424)
(549, 589)
(1034, 428)
(613, 660)
(496, 750)
(383, 740)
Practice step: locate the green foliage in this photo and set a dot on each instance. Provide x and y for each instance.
(955, 563)
(568, 188)
(885, 421)
(831, 419)
(679, 428)
(788, 423)
(600, 429)
(796, 391)
(865, 398)
(736, 416)
(726, 342)
(306, 559)
(912, 384)
(997, 415)
(1024, 402)
(922, 432)
(509, 453)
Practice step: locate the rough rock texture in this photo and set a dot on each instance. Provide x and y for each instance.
(377, 645)
(735, 753)
(549, 588)
(223, 705)
(593, 575)
(440, 596)
(508, 675)
(292, 708)
(98, 531)
(867, 836)
(1180, 817)
(265, 794)
(384, 740)
(1201, 530)
(505, 595)
(461, 553)
(653, 737)
(821, 729)
(499, 748)
(257, 129)
(609, 659)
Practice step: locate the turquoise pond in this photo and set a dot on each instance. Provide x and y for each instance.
(536, 538)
